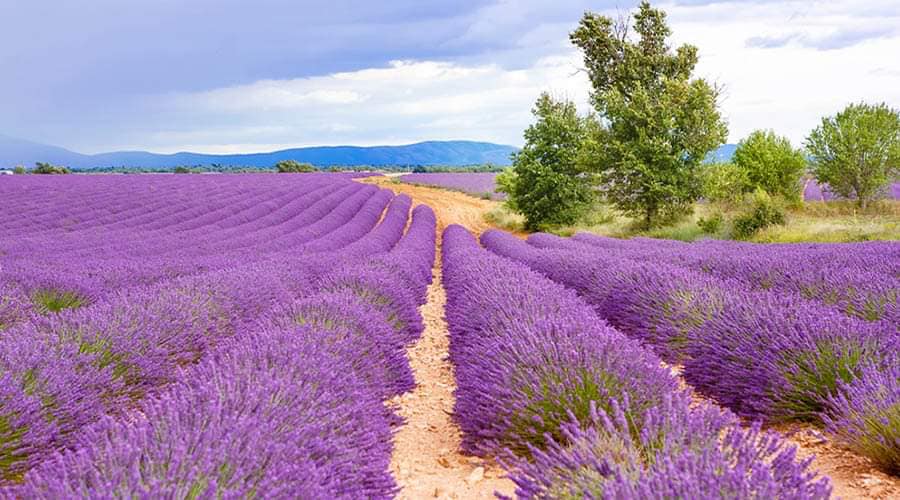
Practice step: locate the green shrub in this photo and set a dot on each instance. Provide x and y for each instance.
(46, 168)
(547, 185)
(762, 212)
(725, 183)
(19, 170)
(294, 167)
(711, 224)
(771, 164)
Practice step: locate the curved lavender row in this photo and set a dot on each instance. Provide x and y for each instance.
(362, 222)
(541, 376)
(861, 279)
(274, 415)
(473, 183)
(782, 355)
(387, 233)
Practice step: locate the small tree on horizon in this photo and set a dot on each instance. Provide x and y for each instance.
(657, 123)
(47, 168)
(294, 166)
(857, 151)
(20, 170)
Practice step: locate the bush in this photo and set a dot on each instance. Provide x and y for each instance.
(547, 185)
(46, 168)
(771, 164)
(857, 152)
(19, 170)
(763, 212)
(724, 183)
(294, 167)
(711, 224)
(865, 415)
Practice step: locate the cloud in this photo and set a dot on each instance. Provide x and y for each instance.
(839, 39)
(230, 75)
(402, 102)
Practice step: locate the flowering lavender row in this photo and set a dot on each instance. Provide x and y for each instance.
(81, 344)
(577, 410)
(813, 191)
(473, 183)
(860, 279)
(764, 354)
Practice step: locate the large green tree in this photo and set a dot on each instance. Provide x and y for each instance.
(857, 151)
(547, 186)
(657, 122)
(771, 163)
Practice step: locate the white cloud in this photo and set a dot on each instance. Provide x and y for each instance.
(809, 59)
(404, 102)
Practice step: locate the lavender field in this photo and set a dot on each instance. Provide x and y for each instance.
(205, 336)
(474, 183)
(255, 336)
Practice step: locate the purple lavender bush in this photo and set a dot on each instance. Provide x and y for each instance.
(528, 353)
(865, 415)
(680, 451)
(274, 415)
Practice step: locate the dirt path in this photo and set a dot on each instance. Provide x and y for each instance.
(426, 460)
(450, 207)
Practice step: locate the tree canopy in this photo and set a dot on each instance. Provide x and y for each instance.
(548, 186)
(657, 124)
(857, 151)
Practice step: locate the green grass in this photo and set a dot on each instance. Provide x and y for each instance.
(825, 222)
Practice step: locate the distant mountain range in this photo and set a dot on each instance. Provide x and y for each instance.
(450, 153)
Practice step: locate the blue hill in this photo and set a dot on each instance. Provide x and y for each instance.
(452, 153)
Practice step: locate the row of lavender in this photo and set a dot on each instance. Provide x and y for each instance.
(474, 183)
(775, 333)
(261, 371)
(576, 409)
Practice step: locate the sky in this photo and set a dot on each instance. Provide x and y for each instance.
(223, 76)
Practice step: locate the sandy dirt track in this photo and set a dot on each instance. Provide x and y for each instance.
(427, 463)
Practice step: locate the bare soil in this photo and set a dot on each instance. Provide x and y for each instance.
(427, 462)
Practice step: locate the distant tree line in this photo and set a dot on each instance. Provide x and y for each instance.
(643, 147)
(285, 166)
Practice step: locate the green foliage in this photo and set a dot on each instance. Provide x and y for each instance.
(181, 169)
(656, 123)
(505, 183)
(19, 170)
(46, 168)
(857, 151)
(724, 183)
(50, 300)
(711, 224)
(546, 184)
(763, 212)
(772, 164)
(815, 374)
(293, 167)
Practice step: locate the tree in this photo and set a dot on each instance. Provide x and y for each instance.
(19, 170)
(294, 166)
(857, 152)
(657, 123)
(547, 185)
(771, 163)
(46, 168)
